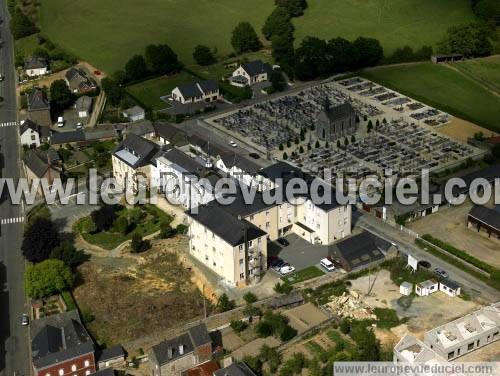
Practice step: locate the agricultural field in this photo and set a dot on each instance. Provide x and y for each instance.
(484, 70)
(394, 22)
(443, 88)
(107, 33)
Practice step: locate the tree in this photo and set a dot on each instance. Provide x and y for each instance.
(203, 55)
(224, 304)
(121, 225)
(470, 40)
(47, 278)
(366, 52)
(20, 25)
(238, 325)
(114, 92)
(340, 53)
(136, 68)
(294, 7)
(103, 217)
(249, 298)
(327, 144)
(278, 23)
(284, 52)
(60, 95)
(346, 141)
(277, 80)
(40, 238)
(488, 11)
(280, 147)
(353, 139)
(67, 253)
(166, 231)
(285, 156)
(301, 149)
(244, 38)
(271, 356)
(316, 145)
(41, 52)
(160, 59)
(311, 59)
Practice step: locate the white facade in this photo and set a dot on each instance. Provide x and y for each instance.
(30, 137)
(426, 288)
(251, 80)
(449, 290)
(237, 173)
(406, 288)
(202, 96)
(35, 72)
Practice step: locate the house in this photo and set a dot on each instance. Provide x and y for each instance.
(36, 66)
(335, 122)
(412, 350)
(235, 369)
(60, 139)
(108, 357)
(359, 251)
(78, 82)
(142, 128)
(204, 369)
(40, 164)
(32, 134)
(248, 74)
(201, 91)
(83, 106)
(484, 220)
(406, 288)
(133, 160)
(39, 107)
(135, 113)
(426, 288)
(60, 345)
(466, 334)
(235, 165)
(176, 355)
(449, 287)
(168, 134)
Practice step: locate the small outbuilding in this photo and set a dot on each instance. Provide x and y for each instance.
(135, 113)
(449, 287)
(406, 288)
(426, 288)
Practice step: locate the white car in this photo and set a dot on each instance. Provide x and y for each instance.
(327, 265)
(232, 143)
(60, 121)
(287, 270)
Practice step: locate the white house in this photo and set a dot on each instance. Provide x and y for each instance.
(202, 91)
(135, 113)
(449, 287)
(83, 106)
(426, 288)
(36, 66)
(250, 73)
(406, 288)
(32, 134)
(238, 167)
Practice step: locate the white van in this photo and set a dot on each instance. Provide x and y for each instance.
(327, 264)
(60, 121)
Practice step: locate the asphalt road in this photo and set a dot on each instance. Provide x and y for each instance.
(14, 356)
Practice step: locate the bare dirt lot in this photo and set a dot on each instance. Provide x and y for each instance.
(305, 317)
(461, 129)
(150, 293)
(450, 225)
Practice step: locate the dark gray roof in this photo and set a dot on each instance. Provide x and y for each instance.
(33, 162)
(240, 208)
(451, 284)
(110, 353)
(168, 351)
(190, 90)
(67, 137)
(57, 338)
(208, 86)
(235, 369)
(132, 111)
(37, 100)
(360, 249)
(143, 150)
(226, 225)
(338, 112)
(486, 215)
(199, 335)
(28, 124)
(234, 159)
(286, 300)
(489, 174)
(140, 128)
(168, 131)
(83, 103)
(253, 68)
(35, 62)
(183, 160)
(104, 372)
(78, 80)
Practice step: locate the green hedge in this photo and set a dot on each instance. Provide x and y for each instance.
(69, 300)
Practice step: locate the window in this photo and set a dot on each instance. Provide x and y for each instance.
(240, 247)
(242, 275)
(251, 217)
(250, 243)
(470, 346)
(451, 355)
(268, 224)
(73, 367)
(477, 343)
(61, 372)
(458, 351)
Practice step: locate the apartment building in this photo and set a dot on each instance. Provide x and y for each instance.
(410, 350)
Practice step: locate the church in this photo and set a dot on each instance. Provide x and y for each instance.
(335, 122)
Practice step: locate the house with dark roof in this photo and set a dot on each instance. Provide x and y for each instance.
(60, 345)
(359, 251)
(484, 220)
(36, 66)
(40, 164)
(134, 161)
(235, 369)
(335, 122)
(142, 128)
(169, 134)
(250, 73)
(60, 139)
(78, 81)
(201, 91)
(110, 356)
(178, 354)
(83, 106)
(39, 107)
(32, 134)
(134, 113)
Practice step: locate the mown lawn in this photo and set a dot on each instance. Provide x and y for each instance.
(486, 70)
(108, 32)
(303, 275)
(443, 88)
(394, 22)
(149, 92)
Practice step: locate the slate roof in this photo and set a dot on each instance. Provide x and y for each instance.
(37, 100)
(28, 124)
(77, 80)
(36, 164)
(488, 216)
(110, 353)
(35, 62)
(338, 112)
(143, 150)
(77, 135)
(134, 111)
(183, 160)
(83, 103)
(208, 86)
(168, 351)
(57, 338)
(199, 335)
(361, 249)
(190, 90)
(226, 225)
(256, 67)
(287, 300)
(235, 369)
(139, 128)
(168, 131)
(245, 164)
(240, 208)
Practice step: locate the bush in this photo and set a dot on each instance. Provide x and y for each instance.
(249, 298)
(283, 288)
(138, 244)
(225, 304)
(203, 55)
(264, 329)
(121, 225)
(47, 278)
(182, 229)
(238, 325)
(166, 231)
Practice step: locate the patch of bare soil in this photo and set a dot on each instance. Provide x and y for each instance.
(154, 293)
(461, 129)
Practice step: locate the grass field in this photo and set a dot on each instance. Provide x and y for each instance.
(394, 22)
(149, 92)
(108, 32)
(443, 88)
(485, 70)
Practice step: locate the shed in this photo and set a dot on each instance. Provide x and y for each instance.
(449, 287)
(406, 288)
(426, 288)
(110, 356)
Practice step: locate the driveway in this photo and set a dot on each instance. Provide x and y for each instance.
(298, 253)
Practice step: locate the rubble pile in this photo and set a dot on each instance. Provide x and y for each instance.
(350, 305)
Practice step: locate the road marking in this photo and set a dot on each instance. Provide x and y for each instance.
(7, 221)
(9, 124)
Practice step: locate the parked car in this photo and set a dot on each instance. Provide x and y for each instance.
(440, 272)
(232, 143)
(287, 269)
(79, 125)
(2, 77)
(279, 264)
(25, 320)
(327, 265)
(283, 242)
(254, 155)
(60, 121)
(424, 264)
